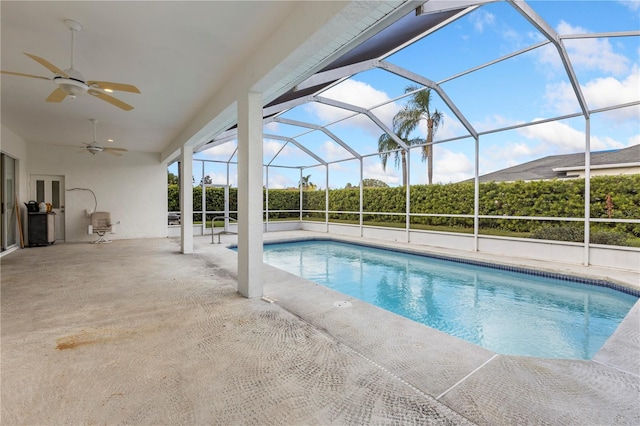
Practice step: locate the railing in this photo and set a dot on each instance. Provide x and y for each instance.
(224, 231)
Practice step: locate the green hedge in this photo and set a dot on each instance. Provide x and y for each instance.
(278, 200)
(554, 198)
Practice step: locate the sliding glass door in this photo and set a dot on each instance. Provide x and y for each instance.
(9, 222)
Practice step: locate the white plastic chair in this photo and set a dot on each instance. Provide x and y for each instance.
(101, 224)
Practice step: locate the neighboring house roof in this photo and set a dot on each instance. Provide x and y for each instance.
(558, 166)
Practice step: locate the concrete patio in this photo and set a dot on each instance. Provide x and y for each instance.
(135, 332)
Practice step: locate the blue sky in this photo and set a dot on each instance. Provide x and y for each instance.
(526, 88)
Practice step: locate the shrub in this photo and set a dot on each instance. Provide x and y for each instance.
(560, 233)
(575, 233)
(608, 238)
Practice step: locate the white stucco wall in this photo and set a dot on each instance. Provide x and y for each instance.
(277, 226)
(623, 258)
(450, 240)
(620, 258)
(132, 188)
(631, 170)
(12, 145)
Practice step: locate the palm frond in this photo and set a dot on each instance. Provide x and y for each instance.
(425, 152)
(385, 147)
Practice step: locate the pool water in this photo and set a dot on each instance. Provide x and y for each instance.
(506, 312)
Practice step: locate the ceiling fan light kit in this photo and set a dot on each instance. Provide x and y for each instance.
(73, 25)
(71, 86)
(94, 149)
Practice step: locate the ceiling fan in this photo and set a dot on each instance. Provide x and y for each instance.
(71, 83)
(94, 148)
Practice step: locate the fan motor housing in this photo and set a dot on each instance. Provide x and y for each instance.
(71, 86)
(94, 149)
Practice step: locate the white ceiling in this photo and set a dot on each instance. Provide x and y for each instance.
(177, 53)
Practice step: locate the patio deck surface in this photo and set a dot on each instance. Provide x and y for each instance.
(135, 332)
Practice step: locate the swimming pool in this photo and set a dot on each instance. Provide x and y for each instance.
(505, 311)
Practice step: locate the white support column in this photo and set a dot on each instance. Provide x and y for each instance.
(250, 195)
(266, 197)
(226, 203)
(300, 215)
(203, 202)
(407, 203)
(360, 210)
(326, 204)
(186, 200)
(476, 195)
(587, 190)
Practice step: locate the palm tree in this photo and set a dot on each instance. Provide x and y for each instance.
(305, 184)
(387, 147)
(417, 109)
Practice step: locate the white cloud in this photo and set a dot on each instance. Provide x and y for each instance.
(278, 181)
(272, 147)
(633, 5)
(272, 127)
(607, 142)
(561, 98)
(451, 166)
(342, 166)
(513, 36)
(519, 150)
(325, 113)
(603, 92)
(559, 138)
(221, 152)
(482, 18)
(586, 54)
(359, 94)
(493, 122)
(508, 154)
(221, 179)
(331, 151)
(356, 93)
(373, 170)
(535, 36)
(599, 93)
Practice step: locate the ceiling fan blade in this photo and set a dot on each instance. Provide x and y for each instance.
(48, 65)
(57, 95)
(107, 85)
(111, 100)
(116, 149)
(112, 152)
(24, 75)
